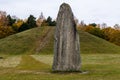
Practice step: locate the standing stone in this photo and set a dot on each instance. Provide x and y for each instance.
(67, 46)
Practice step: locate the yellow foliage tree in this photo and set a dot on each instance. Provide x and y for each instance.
(5, 31)
(17, 25)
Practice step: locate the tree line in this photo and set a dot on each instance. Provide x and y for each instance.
(11, 24)
(111, 34)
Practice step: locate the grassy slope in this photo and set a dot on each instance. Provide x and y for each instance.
(24, 42)
(38, 67)
(93, 44)
(28, 41)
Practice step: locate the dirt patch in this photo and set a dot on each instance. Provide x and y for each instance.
(43, 41)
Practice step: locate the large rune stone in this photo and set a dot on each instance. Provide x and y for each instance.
(67, 46)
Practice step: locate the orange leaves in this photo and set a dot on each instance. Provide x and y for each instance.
(110, 34)
(17, 24)
(5, 31)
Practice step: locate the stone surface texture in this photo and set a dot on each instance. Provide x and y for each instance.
(66, 46)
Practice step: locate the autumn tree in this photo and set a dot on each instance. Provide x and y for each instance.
(17, 25)
(3, 18)
(44, 23)
(108, 32)
(40, 20)
(115, 38)
(81, 26)
(5, 31)
(112, 35)
(94, 30)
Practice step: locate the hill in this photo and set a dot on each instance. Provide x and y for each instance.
(40, 41)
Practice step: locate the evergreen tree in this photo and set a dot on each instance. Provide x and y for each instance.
(50, 22)
(23, 27)
(53, 23)
(10, 20)
(31, 21)
(93, 24)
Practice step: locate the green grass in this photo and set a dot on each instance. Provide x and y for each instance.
(22, 43)
(29, 63)
(98, 67)
(100, 59)
(92, 44)
(41, 40)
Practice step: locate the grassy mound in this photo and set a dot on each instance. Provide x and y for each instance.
(41, 40)
(92, 44)
(24, 42)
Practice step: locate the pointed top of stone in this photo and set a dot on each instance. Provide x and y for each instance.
(65, 6)
(65, 9)
(65, 14)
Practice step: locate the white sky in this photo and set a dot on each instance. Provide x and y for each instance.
(90, 11)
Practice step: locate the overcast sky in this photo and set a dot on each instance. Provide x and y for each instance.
(90, 11)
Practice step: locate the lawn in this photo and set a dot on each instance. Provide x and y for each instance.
(38, 67)
(29, 55)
